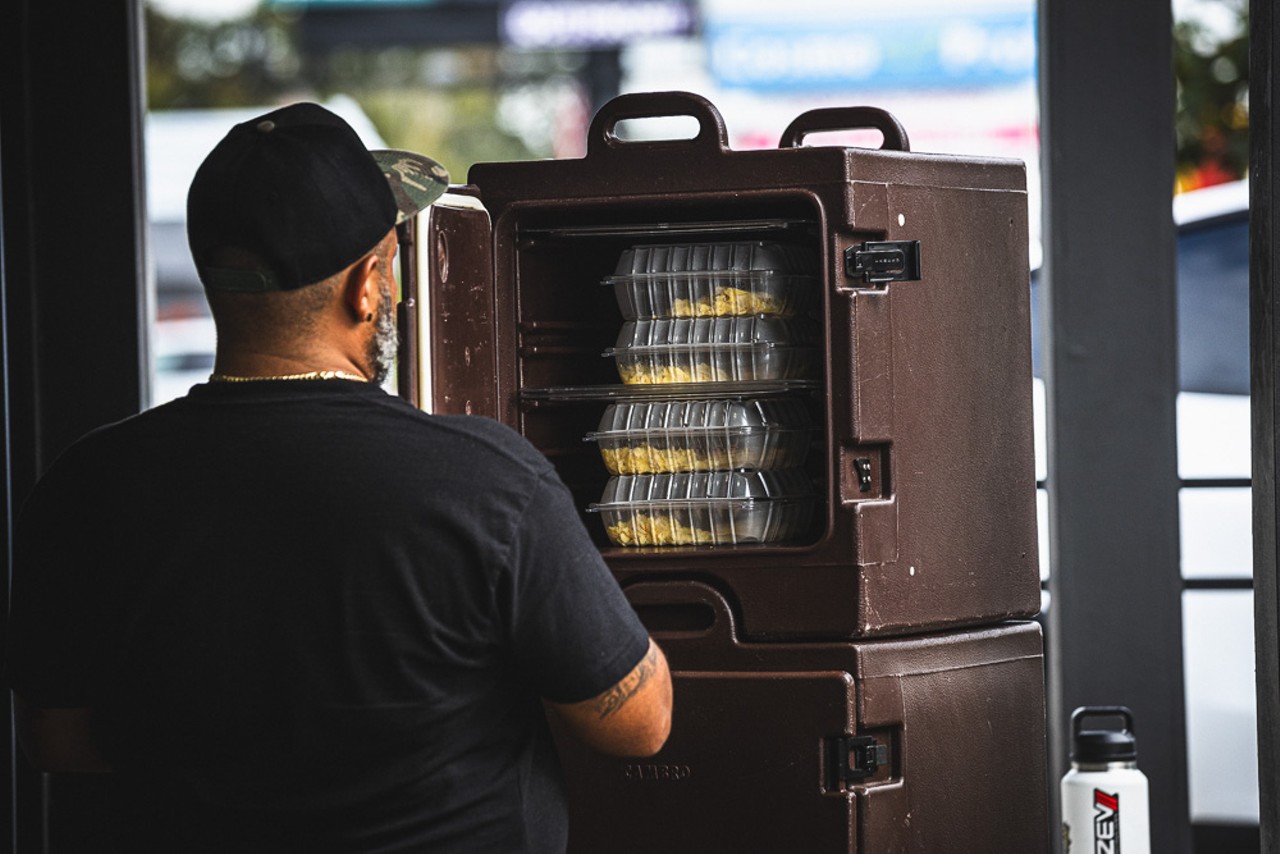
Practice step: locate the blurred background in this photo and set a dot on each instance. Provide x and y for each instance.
(481, 80)
(467, 81)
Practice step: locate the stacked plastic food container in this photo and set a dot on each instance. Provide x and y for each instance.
(717, 344)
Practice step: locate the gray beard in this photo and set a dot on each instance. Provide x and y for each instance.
(385, 344)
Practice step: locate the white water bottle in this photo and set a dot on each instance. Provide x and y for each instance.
(1104, 795)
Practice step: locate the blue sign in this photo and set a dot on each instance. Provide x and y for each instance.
(956, 51)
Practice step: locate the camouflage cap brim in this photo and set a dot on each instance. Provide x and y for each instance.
(416, 181)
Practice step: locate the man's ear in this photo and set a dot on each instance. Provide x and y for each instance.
(358, 290)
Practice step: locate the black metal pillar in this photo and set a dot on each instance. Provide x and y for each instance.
(1264, 239)
(74, 262)
(8, 744)
(74, 222)
(1115, 618)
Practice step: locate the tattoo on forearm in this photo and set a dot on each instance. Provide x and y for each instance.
(616, 697)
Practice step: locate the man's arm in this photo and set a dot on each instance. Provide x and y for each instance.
(632, 718)
(57, 740)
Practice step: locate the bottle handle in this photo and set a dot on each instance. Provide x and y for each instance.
(1079, 715)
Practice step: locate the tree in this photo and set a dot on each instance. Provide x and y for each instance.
(1211, 65)
(453, 114)
(246, 61)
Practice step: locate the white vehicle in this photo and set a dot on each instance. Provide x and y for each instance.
(1214, 463)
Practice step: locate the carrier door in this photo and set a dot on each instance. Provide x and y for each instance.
(747, 768)
(764, 755)
(448, 362)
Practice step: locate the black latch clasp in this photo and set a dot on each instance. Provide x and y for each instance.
(879, 261)
(862, 466)
(856, 757)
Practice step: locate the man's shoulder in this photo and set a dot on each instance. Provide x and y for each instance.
(116, 437)
(483, 443)
(486, 438)
(88, 469)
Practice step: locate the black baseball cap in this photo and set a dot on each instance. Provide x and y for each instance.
(296, 190)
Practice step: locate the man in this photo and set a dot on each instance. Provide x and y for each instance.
(290, 611)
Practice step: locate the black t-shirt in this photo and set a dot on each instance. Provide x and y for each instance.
(311, 617)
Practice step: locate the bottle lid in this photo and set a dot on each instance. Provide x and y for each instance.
(1099, 746)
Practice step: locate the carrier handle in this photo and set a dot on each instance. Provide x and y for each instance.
(847, 118)
(602, 137)
(683, 609)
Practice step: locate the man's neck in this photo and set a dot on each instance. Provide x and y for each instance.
(244, 362)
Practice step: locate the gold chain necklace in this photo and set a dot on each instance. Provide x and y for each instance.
(309, 375)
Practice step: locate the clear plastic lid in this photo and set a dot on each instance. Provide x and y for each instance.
(711, 350)
(662, 332)
(706, 508)
(670, 417)
(669, 392)
(714, 280)
(720, 487)
(750, 255)
(703, 435)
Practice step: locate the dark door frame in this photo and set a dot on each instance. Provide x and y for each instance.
(1264, 279)
(75, 305)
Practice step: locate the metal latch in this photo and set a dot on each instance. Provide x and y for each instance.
(862, 466)
(882, 261)
(856, 757)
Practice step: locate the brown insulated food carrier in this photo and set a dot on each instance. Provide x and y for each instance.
(926, 744)
(916, 319)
